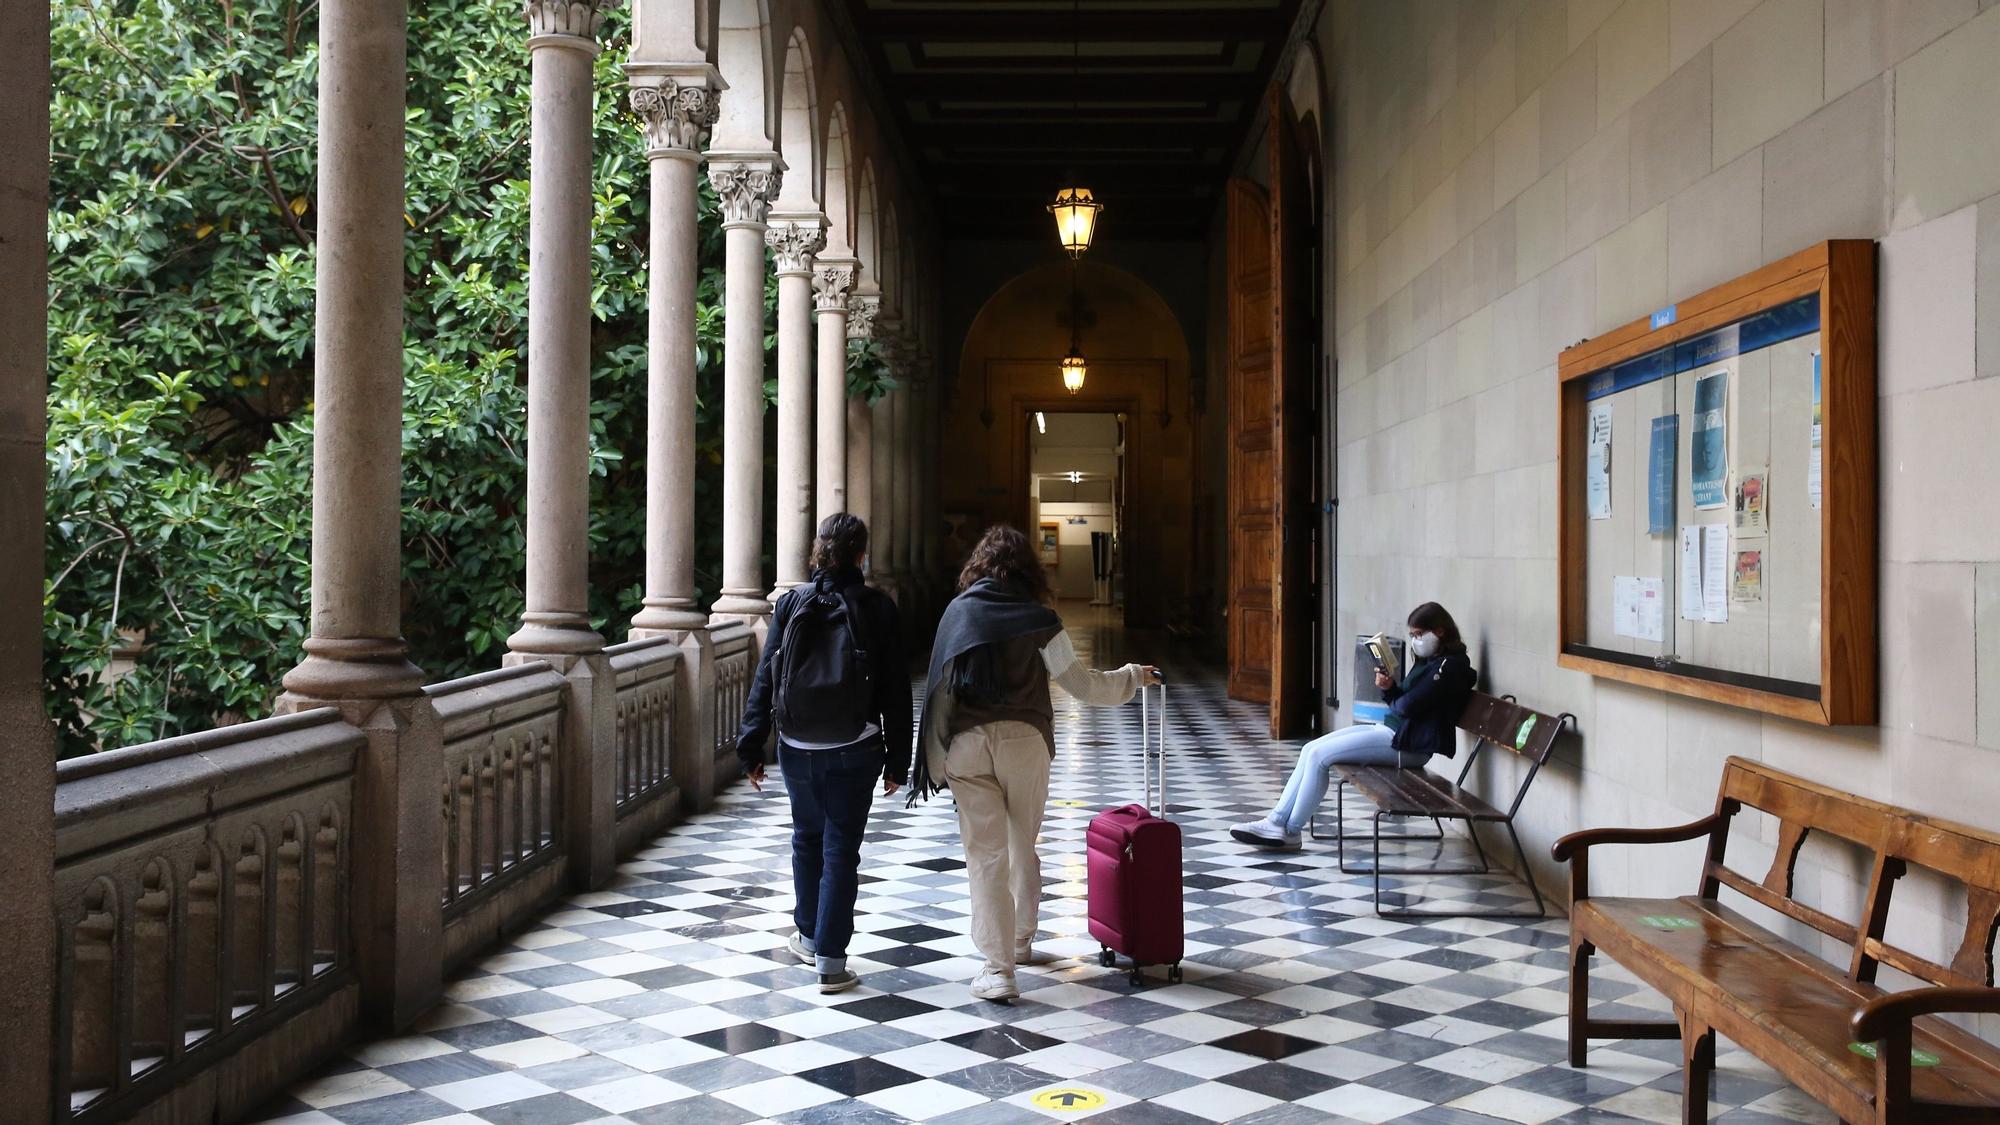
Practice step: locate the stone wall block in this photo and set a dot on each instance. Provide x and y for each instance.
(1761, 89)
(1828, 176)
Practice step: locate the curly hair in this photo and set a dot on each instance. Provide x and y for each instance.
(842, 540)
(1005, 555)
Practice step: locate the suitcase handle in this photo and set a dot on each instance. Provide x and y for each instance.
(1153, 742)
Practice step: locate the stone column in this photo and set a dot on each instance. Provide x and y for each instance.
(745, 188)
(904, 464)
(793, 243)
(832, 282)
(882, 543)
(675, 114)
(861, 309)
(27, 755)
(356, 659)
(562, 45)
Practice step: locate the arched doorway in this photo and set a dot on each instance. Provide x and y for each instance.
(1138, 368)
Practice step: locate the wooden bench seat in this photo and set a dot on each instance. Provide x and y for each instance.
(1867, 1052)
(1491, 720)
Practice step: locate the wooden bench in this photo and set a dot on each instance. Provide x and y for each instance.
(1864, 1051)
(1491, 720)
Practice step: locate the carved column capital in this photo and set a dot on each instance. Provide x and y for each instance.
(794, 243)
(745, 189)
(675, 117)
(862, 308)
(573, 19)
(833, 280)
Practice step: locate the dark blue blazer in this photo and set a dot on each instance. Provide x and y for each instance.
(1429, 701)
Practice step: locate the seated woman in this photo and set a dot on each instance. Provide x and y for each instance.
(1422, 720)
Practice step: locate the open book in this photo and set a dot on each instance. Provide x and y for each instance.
(1380, 652)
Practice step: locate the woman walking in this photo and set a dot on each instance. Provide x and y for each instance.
(835, 680)
(1422, 720)
(988, 734)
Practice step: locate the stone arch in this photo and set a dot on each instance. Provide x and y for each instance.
(674, 30)
(889, 271)
(1139, 364)
(837, 193)
(798, 134)
(867, 231)
(748, 122)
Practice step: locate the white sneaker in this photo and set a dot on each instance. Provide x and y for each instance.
(797, 944)
(994, 986)
(1267, 833)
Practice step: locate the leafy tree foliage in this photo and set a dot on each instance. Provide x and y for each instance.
(181, 325)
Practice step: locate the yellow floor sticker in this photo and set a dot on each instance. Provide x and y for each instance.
(1068, 804)
(1072, 1100)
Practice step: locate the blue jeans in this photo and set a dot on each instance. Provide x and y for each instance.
(1360, 745)
(831, 791)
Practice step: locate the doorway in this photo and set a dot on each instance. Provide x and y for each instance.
(1077, 503)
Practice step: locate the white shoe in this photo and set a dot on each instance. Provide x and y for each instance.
(1267, 833)
(994, 986)
(797, 944)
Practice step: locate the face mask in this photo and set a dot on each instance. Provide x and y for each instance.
(864, 566)
(1424, 647)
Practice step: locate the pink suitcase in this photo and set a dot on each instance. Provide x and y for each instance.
(1135, 866)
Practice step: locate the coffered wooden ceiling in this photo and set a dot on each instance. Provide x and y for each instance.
(1145, 102)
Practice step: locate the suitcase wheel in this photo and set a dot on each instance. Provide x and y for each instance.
(1174, 972)
(1136, 978)
(1106, 958)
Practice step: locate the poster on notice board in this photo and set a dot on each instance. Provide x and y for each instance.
(1710, 454)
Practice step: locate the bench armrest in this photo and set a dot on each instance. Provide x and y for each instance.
(1574, 849)
(1885, 1015)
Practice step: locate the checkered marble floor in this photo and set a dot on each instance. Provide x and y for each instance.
(668, 996)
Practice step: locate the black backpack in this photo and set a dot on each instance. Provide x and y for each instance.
(825, 687)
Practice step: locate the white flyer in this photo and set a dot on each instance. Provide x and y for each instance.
(1715, 572)
(1597, 462)
(1651, 611)
(1691, 604)
(1813, 454)
(1624, 607)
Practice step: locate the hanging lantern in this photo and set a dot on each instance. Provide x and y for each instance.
(1076, 218)
(1073, 370)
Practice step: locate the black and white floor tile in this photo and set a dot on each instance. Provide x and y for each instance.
(668, 996)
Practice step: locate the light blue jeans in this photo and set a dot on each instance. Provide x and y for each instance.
(1360, 745)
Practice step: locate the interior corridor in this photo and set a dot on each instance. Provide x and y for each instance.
(668, 996)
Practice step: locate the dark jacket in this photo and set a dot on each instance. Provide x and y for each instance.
(1428, 702)
(882, 633)
(999, 614)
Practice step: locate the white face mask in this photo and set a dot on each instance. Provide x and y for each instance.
(1424, 646)
(864, 566)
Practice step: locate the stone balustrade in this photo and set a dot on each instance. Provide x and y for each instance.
(202, 910)
(204, 883)
(502, 799)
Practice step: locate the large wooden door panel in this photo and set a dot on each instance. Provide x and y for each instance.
(1252, 437)
(1291, 389)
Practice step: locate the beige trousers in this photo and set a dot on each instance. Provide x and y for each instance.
(999, 777)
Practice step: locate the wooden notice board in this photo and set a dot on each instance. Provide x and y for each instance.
(1716, 503)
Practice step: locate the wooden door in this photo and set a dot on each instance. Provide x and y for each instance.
(1253, 440)
(1270, 435)
(1294, 330)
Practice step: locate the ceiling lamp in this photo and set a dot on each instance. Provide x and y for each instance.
(1073, 369)
(1076, 211)
(1075, 477)
(1041, 423)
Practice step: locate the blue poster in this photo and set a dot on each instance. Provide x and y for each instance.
(1666, 451)
(1709, 452)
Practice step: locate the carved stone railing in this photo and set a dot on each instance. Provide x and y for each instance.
(502, 799)
(648, 792)
(734, 656)
(202, 896)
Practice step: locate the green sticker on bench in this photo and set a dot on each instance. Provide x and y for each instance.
(1917, 1057)
(1521, 736)
(1668, 922)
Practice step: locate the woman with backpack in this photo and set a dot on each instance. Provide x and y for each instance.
(988, 733)
(834, 679)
